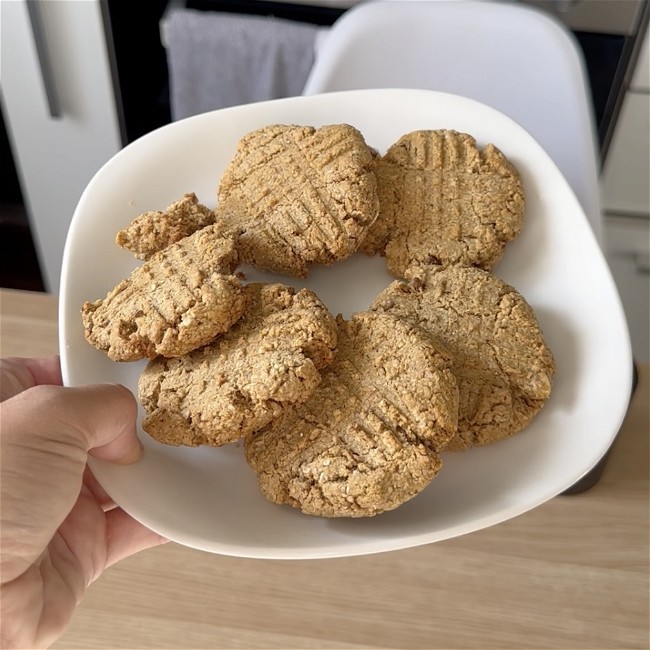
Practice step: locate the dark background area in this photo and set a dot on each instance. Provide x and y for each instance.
(19, 268)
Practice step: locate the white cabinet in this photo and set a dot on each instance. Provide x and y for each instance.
(625, 186)
(56, 156)
(641, 77)
(626, 174)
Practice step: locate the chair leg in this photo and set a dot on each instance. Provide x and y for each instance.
(593, 476)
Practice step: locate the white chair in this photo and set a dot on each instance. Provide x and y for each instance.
(514, 58)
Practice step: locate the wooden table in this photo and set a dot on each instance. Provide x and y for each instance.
(572, 573)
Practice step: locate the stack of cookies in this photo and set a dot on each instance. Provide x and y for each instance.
(339, 418)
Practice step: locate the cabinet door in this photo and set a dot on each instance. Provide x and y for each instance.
(60, 110)
(627, 168)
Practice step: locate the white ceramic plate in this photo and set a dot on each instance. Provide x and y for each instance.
(208, 498)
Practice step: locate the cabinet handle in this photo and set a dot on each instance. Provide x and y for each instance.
(38, 31)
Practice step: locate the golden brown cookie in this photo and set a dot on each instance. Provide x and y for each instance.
(175, 302)
(297, 195)
(152, 231)
(444, 201)
(368, 438)
(269, 361)
(501, 361)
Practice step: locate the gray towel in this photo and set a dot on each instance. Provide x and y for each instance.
(219, 59)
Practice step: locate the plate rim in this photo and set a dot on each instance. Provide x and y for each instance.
(360, 548)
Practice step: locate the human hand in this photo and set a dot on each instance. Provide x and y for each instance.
(59, 529)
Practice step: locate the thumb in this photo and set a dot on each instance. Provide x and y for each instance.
(112, 435)
(102, 418)
(99, 419)
(47, 432)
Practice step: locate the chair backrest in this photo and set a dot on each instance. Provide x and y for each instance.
(513, 58)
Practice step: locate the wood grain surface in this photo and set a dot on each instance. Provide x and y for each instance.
(572, 573)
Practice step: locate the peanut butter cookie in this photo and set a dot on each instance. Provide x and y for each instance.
(368, 438)
(444, 201)
(503, 366)
(268, 362)
(177, 301)
(152, 231)
(297, 195)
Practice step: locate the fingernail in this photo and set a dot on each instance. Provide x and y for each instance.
(134, 456)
